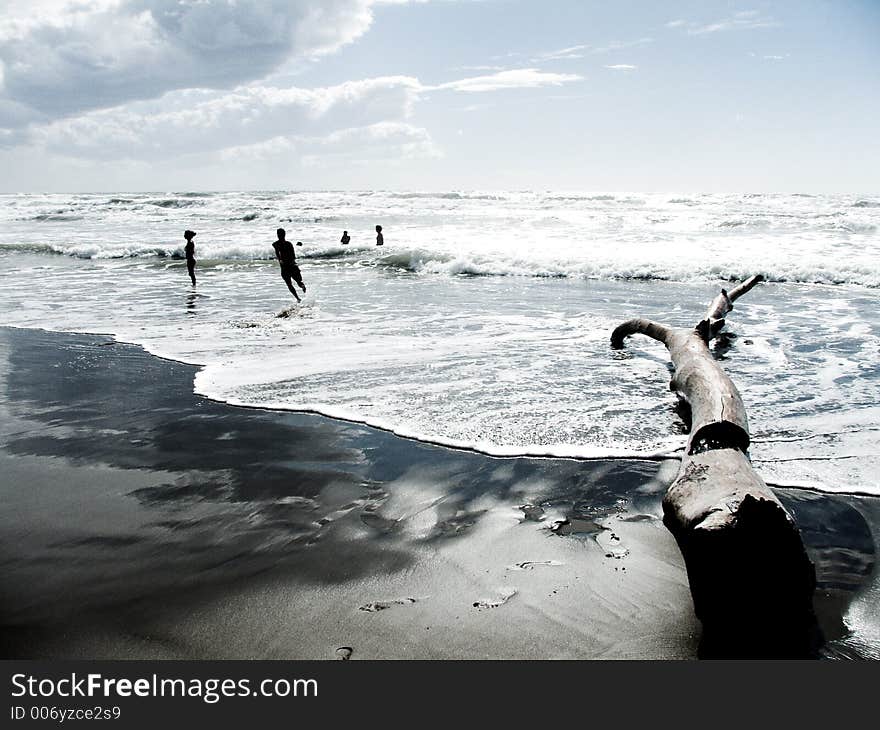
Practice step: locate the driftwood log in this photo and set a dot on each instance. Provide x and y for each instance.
(751, 580)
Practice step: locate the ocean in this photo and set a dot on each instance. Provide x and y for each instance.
(484, 321)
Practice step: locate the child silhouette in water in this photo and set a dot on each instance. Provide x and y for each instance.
(190, 251)
(380, 240)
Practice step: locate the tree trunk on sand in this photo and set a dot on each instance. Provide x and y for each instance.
(750, 577)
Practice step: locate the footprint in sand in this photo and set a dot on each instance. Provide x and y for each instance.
(378, 522)
(610, 543)
(532, 564)
(375, 606)
(343, 653)
(505, 595)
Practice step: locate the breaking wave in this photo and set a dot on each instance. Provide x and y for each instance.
(821, 239)
(173, 203)
(423, 261)
(445, 196)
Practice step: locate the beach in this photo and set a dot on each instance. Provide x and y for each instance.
(436, 454)
(489, 336)
(142, 520)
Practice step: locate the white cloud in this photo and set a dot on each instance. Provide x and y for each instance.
(258, 151)
(383, 140)
(522, 78)
(622, 67)
(195, 122)
(509, 55)
(743, 20)
(146, 81)
(62, 58)
(477, 68)
(254, 120)
(572, 52)
(621, 45)
(580, 51)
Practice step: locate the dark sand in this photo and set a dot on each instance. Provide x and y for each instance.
(142, 521)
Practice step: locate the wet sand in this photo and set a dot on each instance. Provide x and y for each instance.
(142, 521)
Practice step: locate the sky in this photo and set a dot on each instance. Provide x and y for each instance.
(709, 95)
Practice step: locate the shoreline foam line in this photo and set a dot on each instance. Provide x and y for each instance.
(452, 444)
(808, 487)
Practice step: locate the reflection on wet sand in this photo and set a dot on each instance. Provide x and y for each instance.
(133, 503)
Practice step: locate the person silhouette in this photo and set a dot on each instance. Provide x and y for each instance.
(345, 238)
(380, 239)
(287, 259)
(190, 251)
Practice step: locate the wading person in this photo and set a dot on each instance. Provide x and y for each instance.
(345, 238)
(380, 239)
(190, 251)
(287, 259)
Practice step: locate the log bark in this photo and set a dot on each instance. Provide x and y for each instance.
(750, 577)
